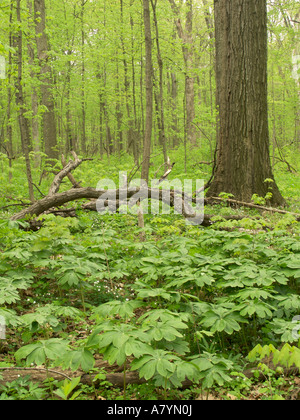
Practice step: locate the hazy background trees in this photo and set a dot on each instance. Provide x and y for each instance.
(84, 66)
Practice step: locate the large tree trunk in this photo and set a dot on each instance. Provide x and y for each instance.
(243, 162)
(49, 121)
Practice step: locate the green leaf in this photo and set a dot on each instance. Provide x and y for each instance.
(73, 359)
(67, 388)
(165, 368)
(42, 350)
(148, 370)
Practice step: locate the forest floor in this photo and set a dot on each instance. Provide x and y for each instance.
(191, 313)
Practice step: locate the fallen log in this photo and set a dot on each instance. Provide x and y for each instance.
(115, 378)
(207, 220)
(113, 200)
(182, 202)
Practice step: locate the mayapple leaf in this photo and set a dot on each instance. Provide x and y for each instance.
(124, 309)
(165, 368)
(148, 370)
(37, 353)
(73, 359)
(8, 295)
(70, 278)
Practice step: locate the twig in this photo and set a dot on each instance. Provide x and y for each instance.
(15, 205)
(167, 173)
(42, 194)
(202, 162)
(130, 177)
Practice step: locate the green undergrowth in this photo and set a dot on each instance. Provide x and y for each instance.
(191, 310)
(190, 303)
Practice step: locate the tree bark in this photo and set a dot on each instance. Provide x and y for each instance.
(149, 92)
(9, 97)
(49, 120)
(243, 162)
(23, 121)
(186, 35)
(34, 98)
(83, 111)
(160, 102)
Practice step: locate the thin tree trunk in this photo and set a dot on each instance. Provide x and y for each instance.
(69, 136)
(83, 113)
(119, 114)
(174, 92)
(34, 100)
(186, 35)
(9, 96)
(136, 131)
(130, 131)
(149, 92)
(162, 134)
(23, 121)
(49, 120)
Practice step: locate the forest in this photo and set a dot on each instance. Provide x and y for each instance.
(149, 206)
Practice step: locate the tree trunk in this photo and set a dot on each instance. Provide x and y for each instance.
(9, 97)
(186, 36)
(49, 121)
(34, 98)
(136, 131)
(119, 113)
(149, 92)
(160, 102)
(243, 162)
(23, 121)
(83, 111)
(69, 136)
(174, 122)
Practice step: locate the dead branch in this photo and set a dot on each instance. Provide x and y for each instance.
(39, 369)
(290, 168)
(56, 200)
(42, 194)
(63, 173)
(182, 202)
(230, 201)
(15, 205)
(202, 162)
(69, 175)
(167, 173)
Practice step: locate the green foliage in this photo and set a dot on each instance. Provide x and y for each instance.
(65, 391)
(286, 356)
(42, 351)
(118, 341)
(21, 389)
(189, 302)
